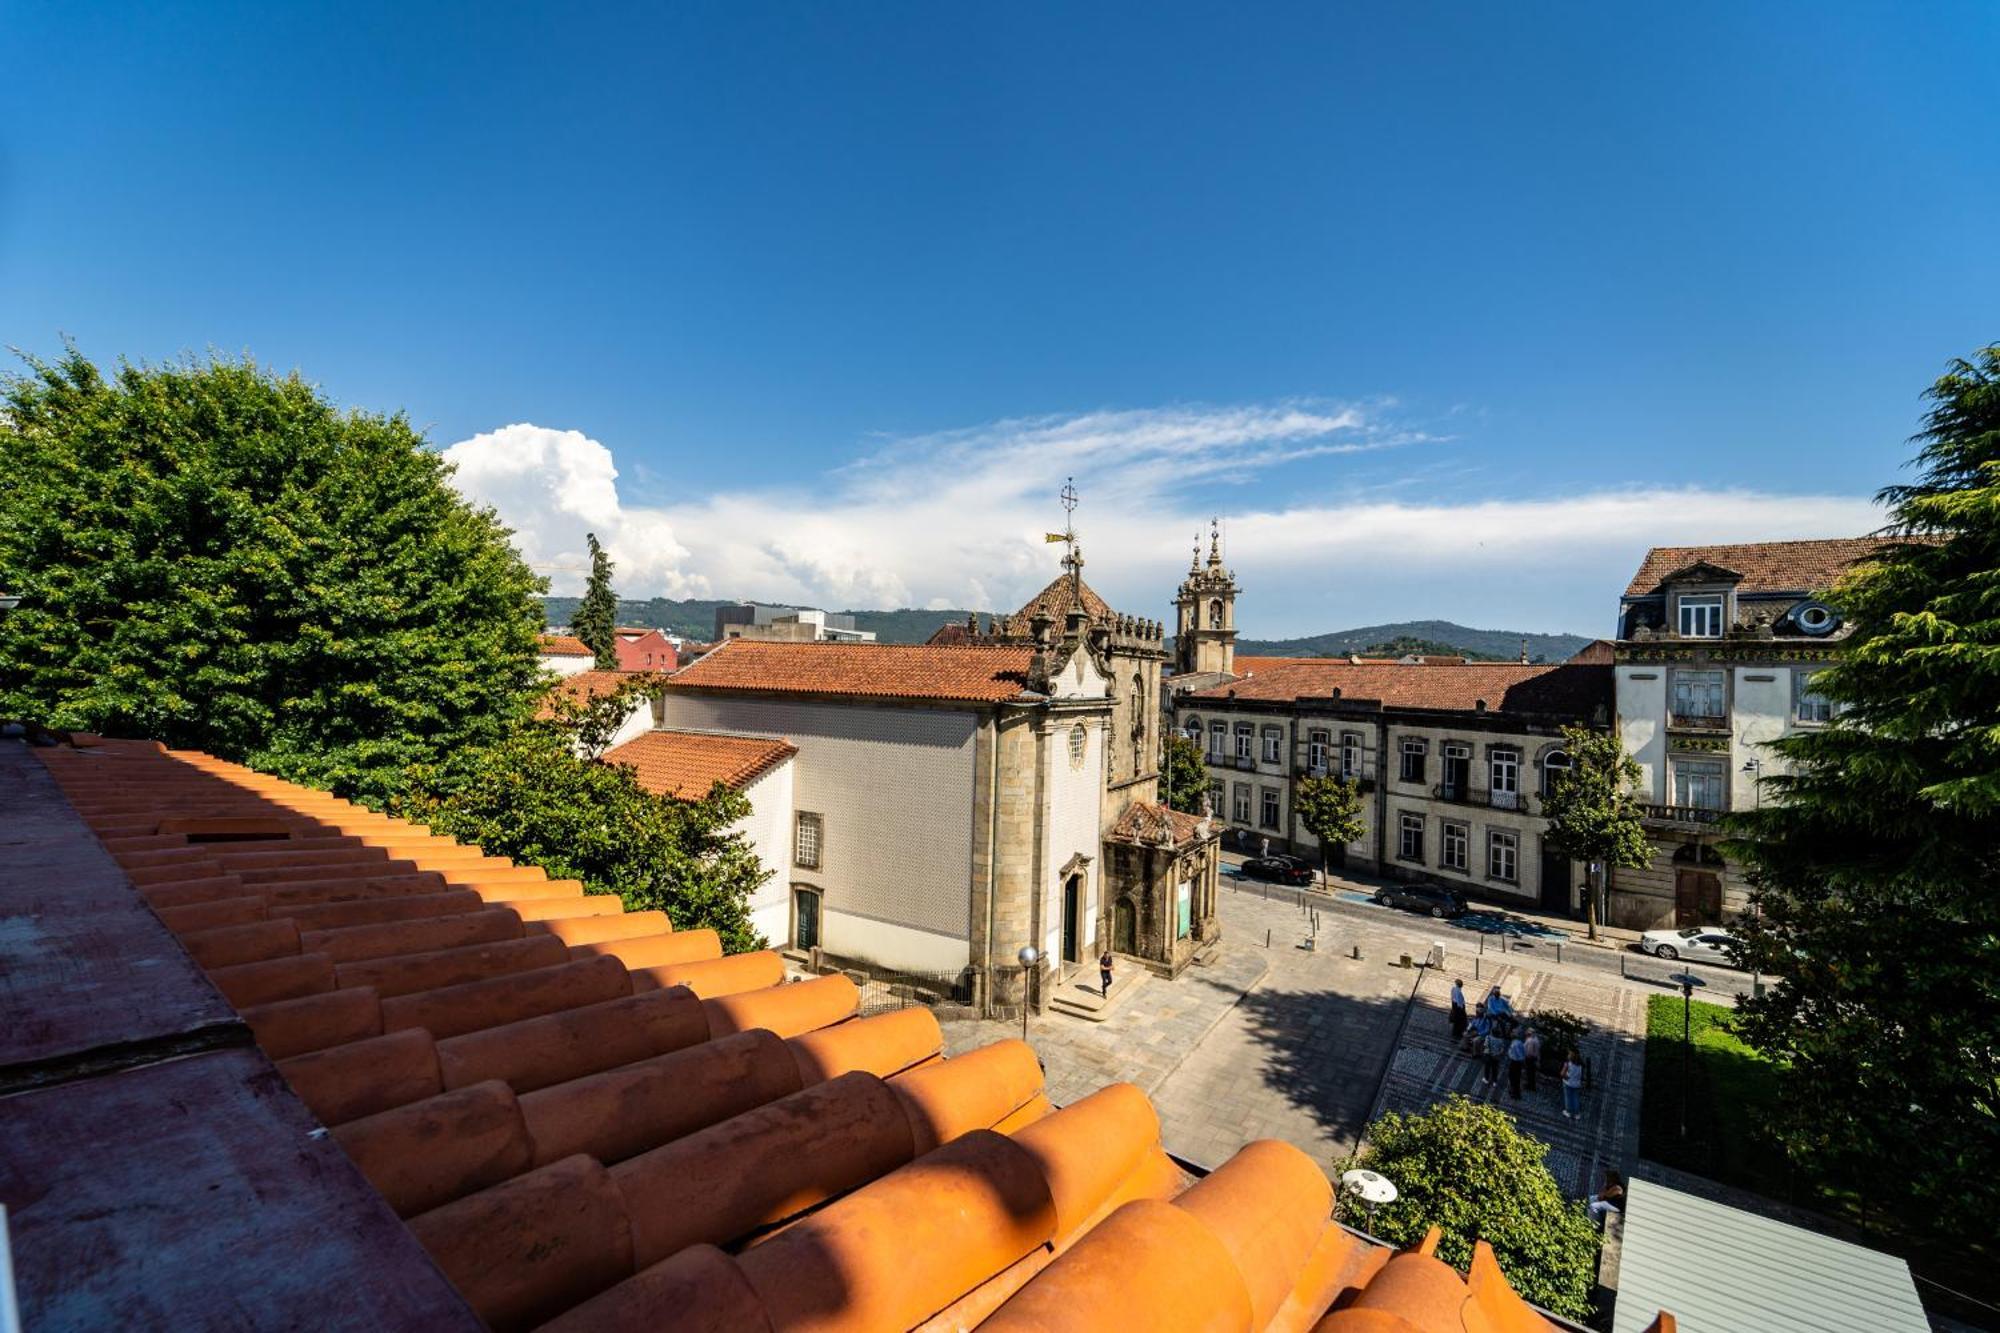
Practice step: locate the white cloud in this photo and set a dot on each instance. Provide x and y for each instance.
(956, 519)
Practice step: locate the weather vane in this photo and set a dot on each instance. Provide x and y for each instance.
(1072, 558)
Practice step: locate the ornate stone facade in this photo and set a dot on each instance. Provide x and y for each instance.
(1205, 606)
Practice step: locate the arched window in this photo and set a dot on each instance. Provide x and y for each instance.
(1215, 614)
(1078, 742)
(1554, 765)
(1192, 729)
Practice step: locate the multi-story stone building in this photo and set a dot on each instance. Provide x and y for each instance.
(955, 802)
(1453, 760)
(1716, 651)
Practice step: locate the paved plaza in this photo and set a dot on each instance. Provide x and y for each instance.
(1308, 1045)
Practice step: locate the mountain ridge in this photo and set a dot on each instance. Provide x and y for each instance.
(694, 618)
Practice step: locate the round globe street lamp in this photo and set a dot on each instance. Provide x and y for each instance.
(1687, 981)
(1029, 957)
(1371, 1187)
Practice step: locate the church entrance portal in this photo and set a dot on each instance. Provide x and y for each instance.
(1125, 927)
(1072, 919)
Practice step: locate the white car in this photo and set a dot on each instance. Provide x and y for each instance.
(1701, 944)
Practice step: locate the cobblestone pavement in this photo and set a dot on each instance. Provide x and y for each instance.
(1427, 1068)
(1147, 1034)
(1278, 1041)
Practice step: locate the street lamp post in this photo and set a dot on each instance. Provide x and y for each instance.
(1755, 766)
(1371, 1187)
(1688, 981)
(1029, 956)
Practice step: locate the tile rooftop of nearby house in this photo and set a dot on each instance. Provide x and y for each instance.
(1150, 824)
(585, 1118)
(562, 645)
(1566, 688)
(1796, 567)
(983, 674)
(687, 764)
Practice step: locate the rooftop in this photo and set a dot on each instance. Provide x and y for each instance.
(562, 645)
(1152, 825)
(1056, 602)
(1775, 567)
(686, 765)
(585, 685)
(585, 1118)
(977, 674)
(1564, 689)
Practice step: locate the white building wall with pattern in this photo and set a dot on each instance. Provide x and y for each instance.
(893, 787)
(768, 828)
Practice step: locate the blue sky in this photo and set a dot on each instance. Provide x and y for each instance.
(1447, 310)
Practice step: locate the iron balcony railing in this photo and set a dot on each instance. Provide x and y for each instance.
(1494, 800)
(1697, 721)
(1682, 814)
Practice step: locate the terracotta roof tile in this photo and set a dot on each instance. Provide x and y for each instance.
(1800, 567)
(1565, 689)
(687, 764)
(592, 684)
(1056, 602)
(1155, 825)
(574, 1135)
(562, 645)
(983, 674)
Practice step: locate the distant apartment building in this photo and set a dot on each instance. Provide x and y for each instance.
(641, 648)
(784, 624)
(1716, 652)
(1453, 760)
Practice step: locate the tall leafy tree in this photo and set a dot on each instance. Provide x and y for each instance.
(596, 618)
(1183, 776)
(216, 556)
(1593, 810)
(543, 796)
(1874, 859)
(1464, 1167)
(1330, 809)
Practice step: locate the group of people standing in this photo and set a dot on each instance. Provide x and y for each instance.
(1500, 1037)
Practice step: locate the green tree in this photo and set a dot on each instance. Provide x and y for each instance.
(1873, 859)
(596, 618)
(1183, 776)
(1330, 809)
(1463, 1167)
(215, 556)
(1593, 811)
(542, 797)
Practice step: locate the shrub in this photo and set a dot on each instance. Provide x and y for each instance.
(1465, 1168)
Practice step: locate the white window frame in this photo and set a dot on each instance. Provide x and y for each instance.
(1350, 755)
(1699, 614)
(1712, 777)
(1239, 804)
(1246, 740)
(1461, 751)
(1318, 745)
(1503, 856)
(1812, 709)
(1454, 845)
(1410, 828)
(813, 843)
(1554, 762)
(1413, 748)
(1270, 810)
(1218, 740)
(1503, 771)
(1707, 678)
(1274, 745)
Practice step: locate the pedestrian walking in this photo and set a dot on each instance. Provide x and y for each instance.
(1457, 1011)
(1496, 1051)
(1531, 1045)
(1104, 971)
(1572, 1077)
(1517, 1056)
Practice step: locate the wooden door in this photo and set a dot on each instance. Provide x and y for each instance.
(1697, 898)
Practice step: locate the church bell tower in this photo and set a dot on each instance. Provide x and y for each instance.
(1205, 627)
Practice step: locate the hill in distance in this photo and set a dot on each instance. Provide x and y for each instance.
(694, 618)
(1422, 636)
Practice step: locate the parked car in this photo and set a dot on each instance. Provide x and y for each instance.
(1278, 869)
(1435, 899)
(1702, 944)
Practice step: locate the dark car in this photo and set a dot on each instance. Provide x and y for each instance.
(1434, 899)
(1278, 869)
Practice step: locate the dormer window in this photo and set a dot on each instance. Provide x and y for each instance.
(1701, 615)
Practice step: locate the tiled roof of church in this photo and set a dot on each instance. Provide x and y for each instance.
(1055, 602)
(1565, 689)
(1155, 825)
(587, 1119)
(1801, 566)
(687, 764)
(975, 674)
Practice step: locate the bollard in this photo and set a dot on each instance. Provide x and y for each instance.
(1482, 946)
(1267, 938)
(1475, 968)
(1357, 953)
(1559, 953)
(1621, 964)
(1405, 963)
